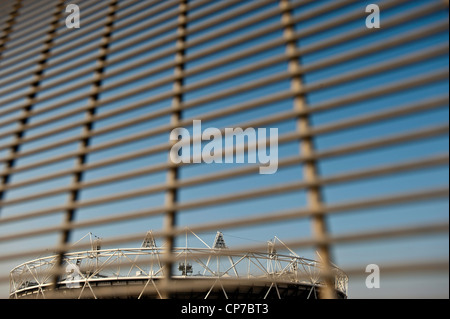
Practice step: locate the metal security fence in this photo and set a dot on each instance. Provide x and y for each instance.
(86, 114)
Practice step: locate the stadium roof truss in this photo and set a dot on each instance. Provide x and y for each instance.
(213, 266)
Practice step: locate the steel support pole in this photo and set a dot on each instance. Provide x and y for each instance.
(87, 127)
(19, 134)
(310, 170)
(172, 174)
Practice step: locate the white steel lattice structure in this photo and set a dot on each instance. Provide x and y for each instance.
(211, 272)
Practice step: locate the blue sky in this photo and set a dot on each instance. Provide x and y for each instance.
(363, 253)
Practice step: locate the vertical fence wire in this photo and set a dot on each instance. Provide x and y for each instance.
(306, 145)
(170, 218)
(19, 134)
(81, 160)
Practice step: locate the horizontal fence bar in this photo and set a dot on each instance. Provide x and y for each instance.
(346, 37)
(316, 66)
(366, 145)
(338, 80)
(299, 35)
(321, 107)
(278, 216)
(270, 191)
(429, 266)
(362, 120)
(22, 49)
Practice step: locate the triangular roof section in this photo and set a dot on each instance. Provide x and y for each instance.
(219, 241)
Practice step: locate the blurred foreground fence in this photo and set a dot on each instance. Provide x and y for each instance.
(86, 113)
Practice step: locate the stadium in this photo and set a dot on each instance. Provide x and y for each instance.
(216, 272)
